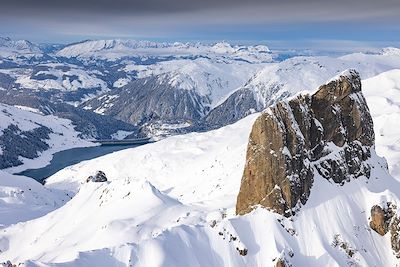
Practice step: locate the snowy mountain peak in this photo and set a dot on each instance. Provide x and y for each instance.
(350, 75)
(262, 48)
(17, 46)
(92, 46)
(223, 47)
(116, 49)
(391, 51)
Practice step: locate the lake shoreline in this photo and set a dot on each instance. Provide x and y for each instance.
(65, 158)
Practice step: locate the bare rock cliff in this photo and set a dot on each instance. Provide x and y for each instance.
(328, 133)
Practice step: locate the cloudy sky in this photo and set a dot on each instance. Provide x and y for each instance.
(279, 23)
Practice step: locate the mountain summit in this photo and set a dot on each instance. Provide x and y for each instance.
(328, 135)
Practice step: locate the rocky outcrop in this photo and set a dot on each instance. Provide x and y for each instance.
(380, 219)
(98, 177)
(386, 220)
(280, 263)
(328, 133)
(395, 235)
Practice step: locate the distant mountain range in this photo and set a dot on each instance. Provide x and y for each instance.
(302, 183)
(18, 47)
(159, 89)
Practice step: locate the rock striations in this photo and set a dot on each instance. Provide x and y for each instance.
(327, 134)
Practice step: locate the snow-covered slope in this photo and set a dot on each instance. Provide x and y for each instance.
(279, 80)
(18, 137)
(175, 91)
(12, 48)
(214, 79)
(63, 77)
(172, 203)
(23, 199)
(223, 82)
(116, 49)
(227, 90)
(161, 182)
(383, 97)
(285, 78)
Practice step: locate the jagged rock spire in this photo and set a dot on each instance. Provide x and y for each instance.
(328, 133)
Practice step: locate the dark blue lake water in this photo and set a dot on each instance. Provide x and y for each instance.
(69, 157)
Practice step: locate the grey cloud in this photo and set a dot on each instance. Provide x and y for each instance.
(167, 18)
(226, 8)
(123, 6)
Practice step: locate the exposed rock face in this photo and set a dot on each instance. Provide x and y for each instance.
(151, 99)
(395, 235)
(281, 263)
(238, 105)
(329, 133)
(99, 177)
(242, 252)
(384, 220)
(380, 219)
(241, 103)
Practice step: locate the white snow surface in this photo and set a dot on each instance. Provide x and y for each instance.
(14, 48)
(70, 80)
(34, 110)
(63, 136)
(119, 135)
(217, 78)
(121, 82)
(383, 97)
(280, 80)
(171, 203)
(214, 79)
(23, 199)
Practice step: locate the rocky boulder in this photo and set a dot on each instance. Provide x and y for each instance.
(328, 133)
(281, 263)
(98, 177)
(380, 219)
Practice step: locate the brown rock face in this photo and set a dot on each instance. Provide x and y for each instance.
(281, 263)
(379, 220)
(292, 139)
(384, 220)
